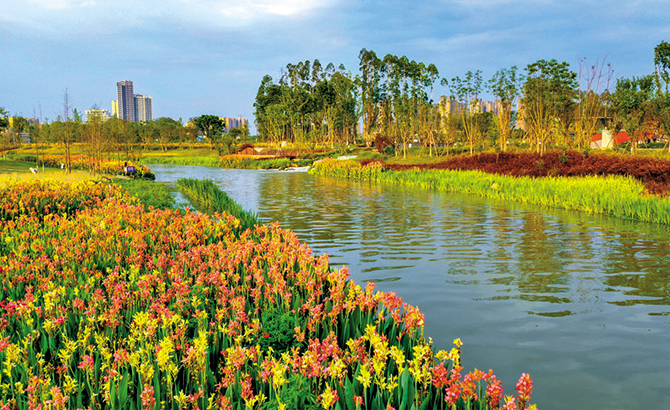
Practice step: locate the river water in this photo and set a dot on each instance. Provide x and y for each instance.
(580, 302)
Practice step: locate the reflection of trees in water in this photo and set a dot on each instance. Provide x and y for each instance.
(640, 270)
(564, 261)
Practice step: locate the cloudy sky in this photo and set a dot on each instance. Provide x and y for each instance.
(208, 56)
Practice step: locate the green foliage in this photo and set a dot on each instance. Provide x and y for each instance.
(278, 332)
(212, 128)
(549, 91)
(631, 102)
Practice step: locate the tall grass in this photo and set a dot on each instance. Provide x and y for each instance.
(618, 196)
(185, 160)
(208, 198)
(231, 161)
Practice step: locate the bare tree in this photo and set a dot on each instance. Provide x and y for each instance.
(594, 80)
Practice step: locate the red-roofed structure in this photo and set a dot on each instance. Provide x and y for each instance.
(621, 137)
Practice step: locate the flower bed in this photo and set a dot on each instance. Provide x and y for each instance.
(111, 305)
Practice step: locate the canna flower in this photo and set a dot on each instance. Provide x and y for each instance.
(364, 377)
(328, 398)
(87, 363)
(524, 387)
(147, 396)
(510, 403)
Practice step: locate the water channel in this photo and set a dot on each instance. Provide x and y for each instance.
(580, 302)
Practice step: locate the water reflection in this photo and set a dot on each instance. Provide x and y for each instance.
(579, 301)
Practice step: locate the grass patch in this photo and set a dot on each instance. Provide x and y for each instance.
(150, 193)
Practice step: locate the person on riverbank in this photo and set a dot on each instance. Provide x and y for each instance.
(129, 170)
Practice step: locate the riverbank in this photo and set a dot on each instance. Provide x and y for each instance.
(618, 196)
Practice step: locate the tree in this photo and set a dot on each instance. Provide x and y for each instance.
(590, 108)
(168, 131)
(66, 133)
(506, 87)
(92, 135)
(549, 98)
(212, 128)
(4, 119)
(467, 91)
(662, 98)
(369, 83)
(632, 103)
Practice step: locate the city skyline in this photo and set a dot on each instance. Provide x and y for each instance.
(209, 57)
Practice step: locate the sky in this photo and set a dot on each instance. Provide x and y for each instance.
(199, 57)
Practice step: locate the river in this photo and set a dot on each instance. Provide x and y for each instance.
(580, 302)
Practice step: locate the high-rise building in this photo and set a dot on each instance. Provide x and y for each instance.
(234, 122)
(115, 108)
(126, 100)
(143, 110)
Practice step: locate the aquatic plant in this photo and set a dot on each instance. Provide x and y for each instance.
(618, 196)
(208, 198)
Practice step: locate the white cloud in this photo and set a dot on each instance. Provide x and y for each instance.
(62, 4)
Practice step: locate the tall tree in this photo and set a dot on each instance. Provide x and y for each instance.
(662, 98)
(4, 119)
(549, 98)
(466, 91)
(594, 80)
(212, 128)
(506, 87)
(369, 83)
(632, 102)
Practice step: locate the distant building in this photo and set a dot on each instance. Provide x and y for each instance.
(126, 100)
(102, 114)
(143, 110)
(491, 106)
(449, 105)
(234, 122)
(520, 114)
(115, 109)
(475, 105)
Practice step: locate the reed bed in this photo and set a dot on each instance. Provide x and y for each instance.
(618, 196)
(208, 198)
(106, 304)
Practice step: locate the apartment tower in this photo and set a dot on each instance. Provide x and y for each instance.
(143, 108)
(126, 100)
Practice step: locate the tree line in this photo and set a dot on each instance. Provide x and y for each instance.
(392, 100)
(116, 138)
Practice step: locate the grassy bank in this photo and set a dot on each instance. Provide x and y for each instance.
(107, 304)
(208, 198)
(618, 196)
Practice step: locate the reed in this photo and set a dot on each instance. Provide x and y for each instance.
(617, 196)
(208, 198)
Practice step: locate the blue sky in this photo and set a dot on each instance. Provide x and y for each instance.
(208, 56)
